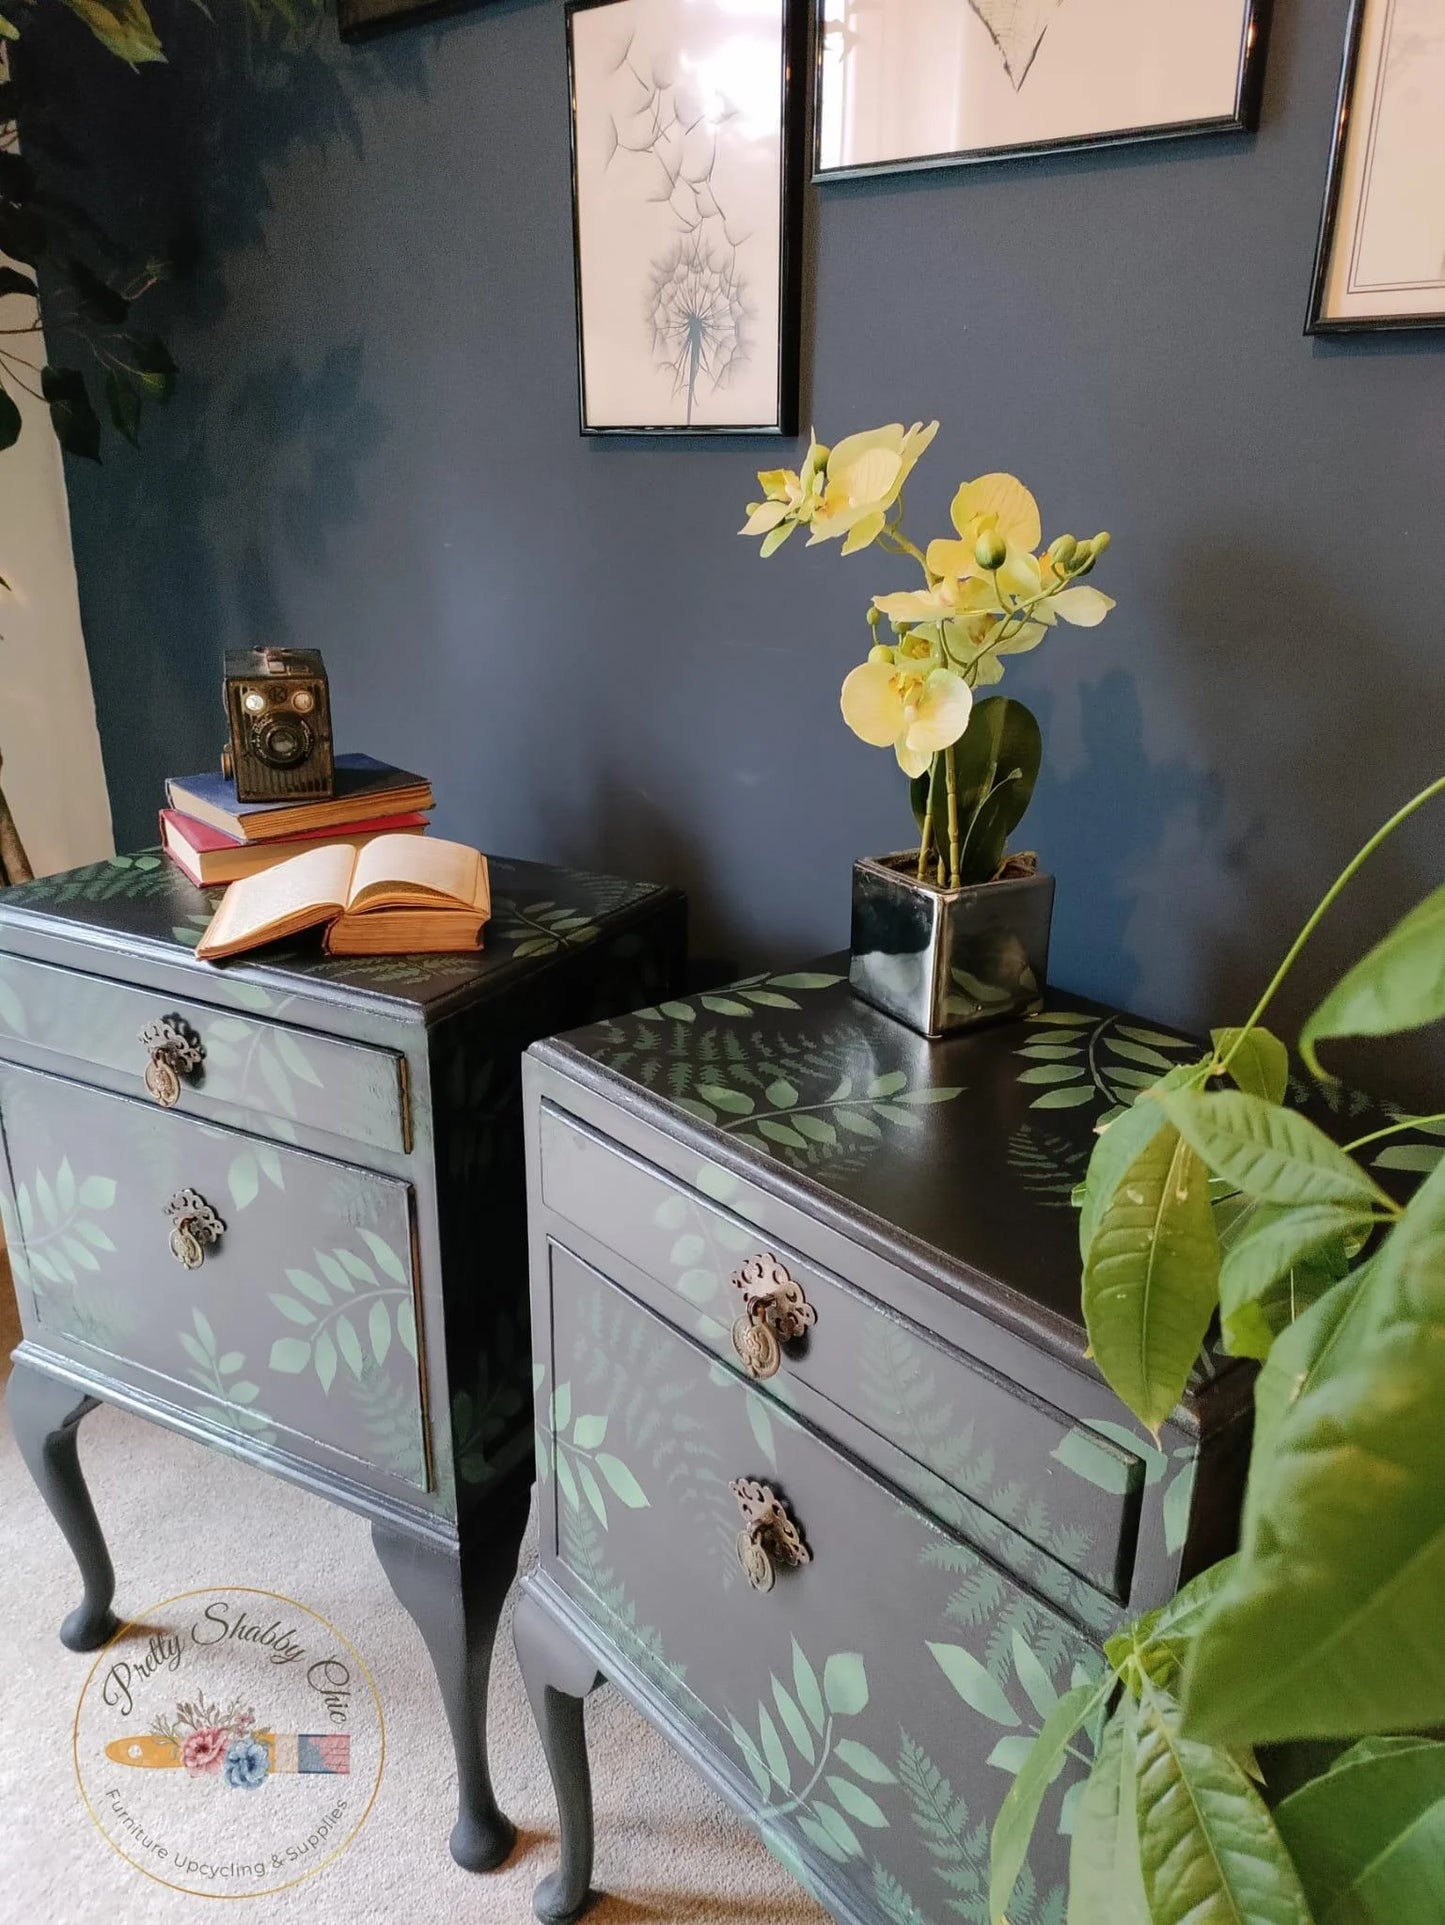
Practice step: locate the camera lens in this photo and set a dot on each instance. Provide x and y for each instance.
(281, 741)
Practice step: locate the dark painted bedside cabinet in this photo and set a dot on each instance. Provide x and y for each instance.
(828, 1488)
(279, 1206)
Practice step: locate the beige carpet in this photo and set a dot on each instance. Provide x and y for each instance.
(179, 1516)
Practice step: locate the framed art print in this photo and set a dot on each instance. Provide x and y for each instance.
(930, 83)
(686, 196)
(1381, 256)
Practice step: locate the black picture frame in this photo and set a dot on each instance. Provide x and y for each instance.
(360, 20)
(1317, 322)
(1243, 118)
(794, 98)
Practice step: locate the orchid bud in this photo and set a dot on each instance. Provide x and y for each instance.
(990, 550)
(1063, 551)
(875, 615)
(878, 653)
(1100, 542)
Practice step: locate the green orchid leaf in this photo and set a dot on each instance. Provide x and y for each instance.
(1270, 1153)
(1331, 1625)
(1208, 1847)
(1283, 1261)
(1368, 1837)
(1106, 1880)
(1260, 1065)
(1399, 985)
(1019, 1812)
(1151, 1277)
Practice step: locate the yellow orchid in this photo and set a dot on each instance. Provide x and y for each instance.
(866, 473)
(989, 590)
(994, 505)
(909, 705)
(790, 499)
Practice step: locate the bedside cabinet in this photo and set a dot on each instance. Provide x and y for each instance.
(280, 1206)
(828, 1489)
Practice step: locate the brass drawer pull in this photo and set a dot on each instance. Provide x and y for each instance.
(775, 1312)
(769, 1536)
(175, 1050)
(194, 1226)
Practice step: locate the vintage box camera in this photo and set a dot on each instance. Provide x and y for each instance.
(279, 709)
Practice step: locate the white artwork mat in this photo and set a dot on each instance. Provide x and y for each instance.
(902, 80)
(1388, 253)
(679, 182)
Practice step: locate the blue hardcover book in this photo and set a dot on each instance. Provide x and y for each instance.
(364, 788)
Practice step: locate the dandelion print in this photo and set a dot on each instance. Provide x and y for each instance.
(697, 315)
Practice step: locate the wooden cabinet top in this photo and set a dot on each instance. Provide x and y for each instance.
(142, 906)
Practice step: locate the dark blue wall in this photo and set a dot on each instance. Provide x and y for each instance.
(374, 449)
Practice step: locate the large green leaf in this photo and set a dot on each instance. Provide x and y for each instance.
(1106, 1884)
(1270, 1153)
(1369, 1836)
(996, 764)
(76, 424)
(1332, 1624)
(1018, 1814)
(1166, 1633)
(1399, 985)
(1151, 1279)
(1282, 1261)
(1116, 1147)
(1299, 1355)
(1208, 1848)
(1259, 1064)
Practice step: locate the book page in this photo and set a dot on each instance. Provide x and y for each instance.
(305, 889)
(403, 869)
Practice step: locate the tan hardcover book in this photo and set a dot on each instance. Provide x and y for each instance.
(399, 893)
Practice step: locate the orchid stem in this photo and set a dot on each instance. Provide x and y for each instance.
(955, 849)
(925, 847)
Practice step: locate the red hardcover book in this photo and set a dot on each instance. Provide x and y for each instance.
(209, 858)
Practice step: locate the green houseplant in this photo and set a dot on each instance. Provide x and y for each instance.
(1211, 1196)
(958, 932)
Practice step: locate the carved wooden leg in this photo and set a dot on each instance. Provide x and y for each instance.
(455, 1598)
(45, 1415)
(558, 1676)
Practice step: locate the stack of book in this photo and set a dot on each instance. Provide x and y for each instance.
(214, 837)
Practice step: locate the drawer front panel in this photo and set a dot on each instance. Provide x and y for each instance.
(1003, 1453)
(252, 1068)
(298, 1325)
(879, 1698)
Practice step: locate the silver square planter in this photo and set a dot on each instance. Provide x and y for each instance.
(941, 960)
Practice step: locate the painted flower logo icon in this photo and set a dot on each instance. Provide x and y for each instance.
(698, 316)
(247, 1764)
(205, 1750)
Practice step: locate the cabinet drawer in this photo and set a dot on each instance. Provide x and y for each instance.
(249, 1065)
(299, 1323)
(876, 1700)
(991, 1443)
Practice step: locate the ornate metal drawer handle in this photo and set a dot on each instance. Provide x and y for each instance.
(175, 1051)
(769, 1536)
(194, 1225)
(775, 1312)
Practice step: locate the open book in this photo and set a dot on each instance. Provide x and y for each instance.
(400, 893)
